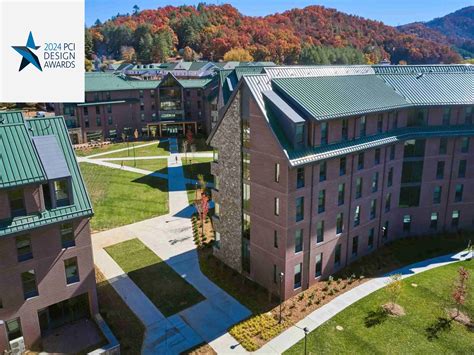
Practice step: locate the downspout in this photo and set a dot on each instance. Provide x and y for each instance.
(382, 195)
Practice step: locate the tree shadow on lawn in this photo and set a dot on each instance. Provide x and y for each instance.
(154, 181)
(191, 171)
(442, 324)
(376, 317)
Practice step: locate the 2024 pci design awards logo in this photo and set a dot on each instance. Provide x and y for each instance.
(56, 55)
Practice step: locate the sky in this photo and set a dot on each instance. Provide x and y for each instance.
(390, 12)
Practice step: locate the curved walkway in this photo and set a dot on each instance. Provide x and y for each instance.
(294, 334)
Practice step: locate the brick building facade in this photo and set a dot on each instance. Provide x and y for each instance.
(318, 166)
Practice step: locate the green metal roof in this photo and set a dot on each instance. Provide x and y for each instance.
(339, 96)
(81, 206)
(194, 83)
(330, 151)
(417, 69)
(11, 117)
(19, 161)
(454, 88)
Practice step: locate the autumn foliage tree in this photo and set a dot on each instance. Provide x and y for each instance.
(238, 55)
(459, 293)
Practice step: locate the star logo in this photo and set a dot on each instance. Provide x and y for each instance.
(27, 54)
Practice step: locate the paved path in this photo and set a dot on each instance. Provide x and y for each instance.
(122, 149)
(294, 334)
(170, 237)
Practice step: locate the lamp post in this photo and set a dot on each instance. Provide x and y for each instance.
(306, 331)
(280, 294)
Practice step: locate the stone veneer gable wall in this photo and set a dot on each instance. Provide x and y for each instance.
(227, 140)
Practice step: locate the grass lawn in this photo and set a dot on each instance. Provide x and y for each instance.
(194, 166)
(160, 165)
(414, 333)
(168, 291)
(125, 325)
(161, 148)
(122, 197)
(103, 149)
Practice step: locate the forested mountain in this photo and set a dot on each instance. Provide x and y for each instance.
(311, 35)
(455, 29)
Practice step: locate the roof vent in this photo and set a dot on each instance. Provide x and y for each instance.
(420, 75)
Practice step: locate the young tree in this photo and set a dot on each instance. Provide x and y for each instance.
(394, 288)
(204, 211)
(202, 182)
(459, 293)
(185, 149)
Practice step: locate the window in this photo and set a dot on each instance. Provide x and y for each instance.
(324, 133)
(373, 209)
(86, 123)
(437, 195)
(458, 193)
(322, 201)
(28, 280)
(299, 178)
(141, 94)
(377, 156)
(216, 182)
(322, 171)
(390, 177)
(375, 182)
(395, 120)
(417, 117)
(339, 223)
(342, 166)
(360, 161)
(385, 230)
(468, 113)
(61, 191)
(217, 240)
(97, 110)
(215, 155)
(462, 168)
(388, 199)
(246, 196)
(72, 272)
(23, 248)
(86, 111)
(299, 241)
(246, 165)
(152, 93)
(455, 219)
(355, 245)
(362, 126)
(392, 152)
(443, 146)
(246, 228)
(277, 206)
(337, 255)
(109, 108)
(110, 122)
(17, 203)
(67, 235)
(370, 239)
(358, 193)
(409, 196)
(275, 239)
(299, 209)
(434, 220)
(217, 209)
(464, 144)
(318, 269)
(14, 329)
(299, 134)
(345, 130)
(446, 115)
(277, 172)
(412, 171)
(406, 223)
(340, 194)
(380, 123)
(297, 282)
(414, 148)
(357, 216)
(320, 232)
(440, 170)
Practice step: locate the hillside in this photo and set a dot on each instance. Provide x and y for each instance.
(300, 35)
(455, 29)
